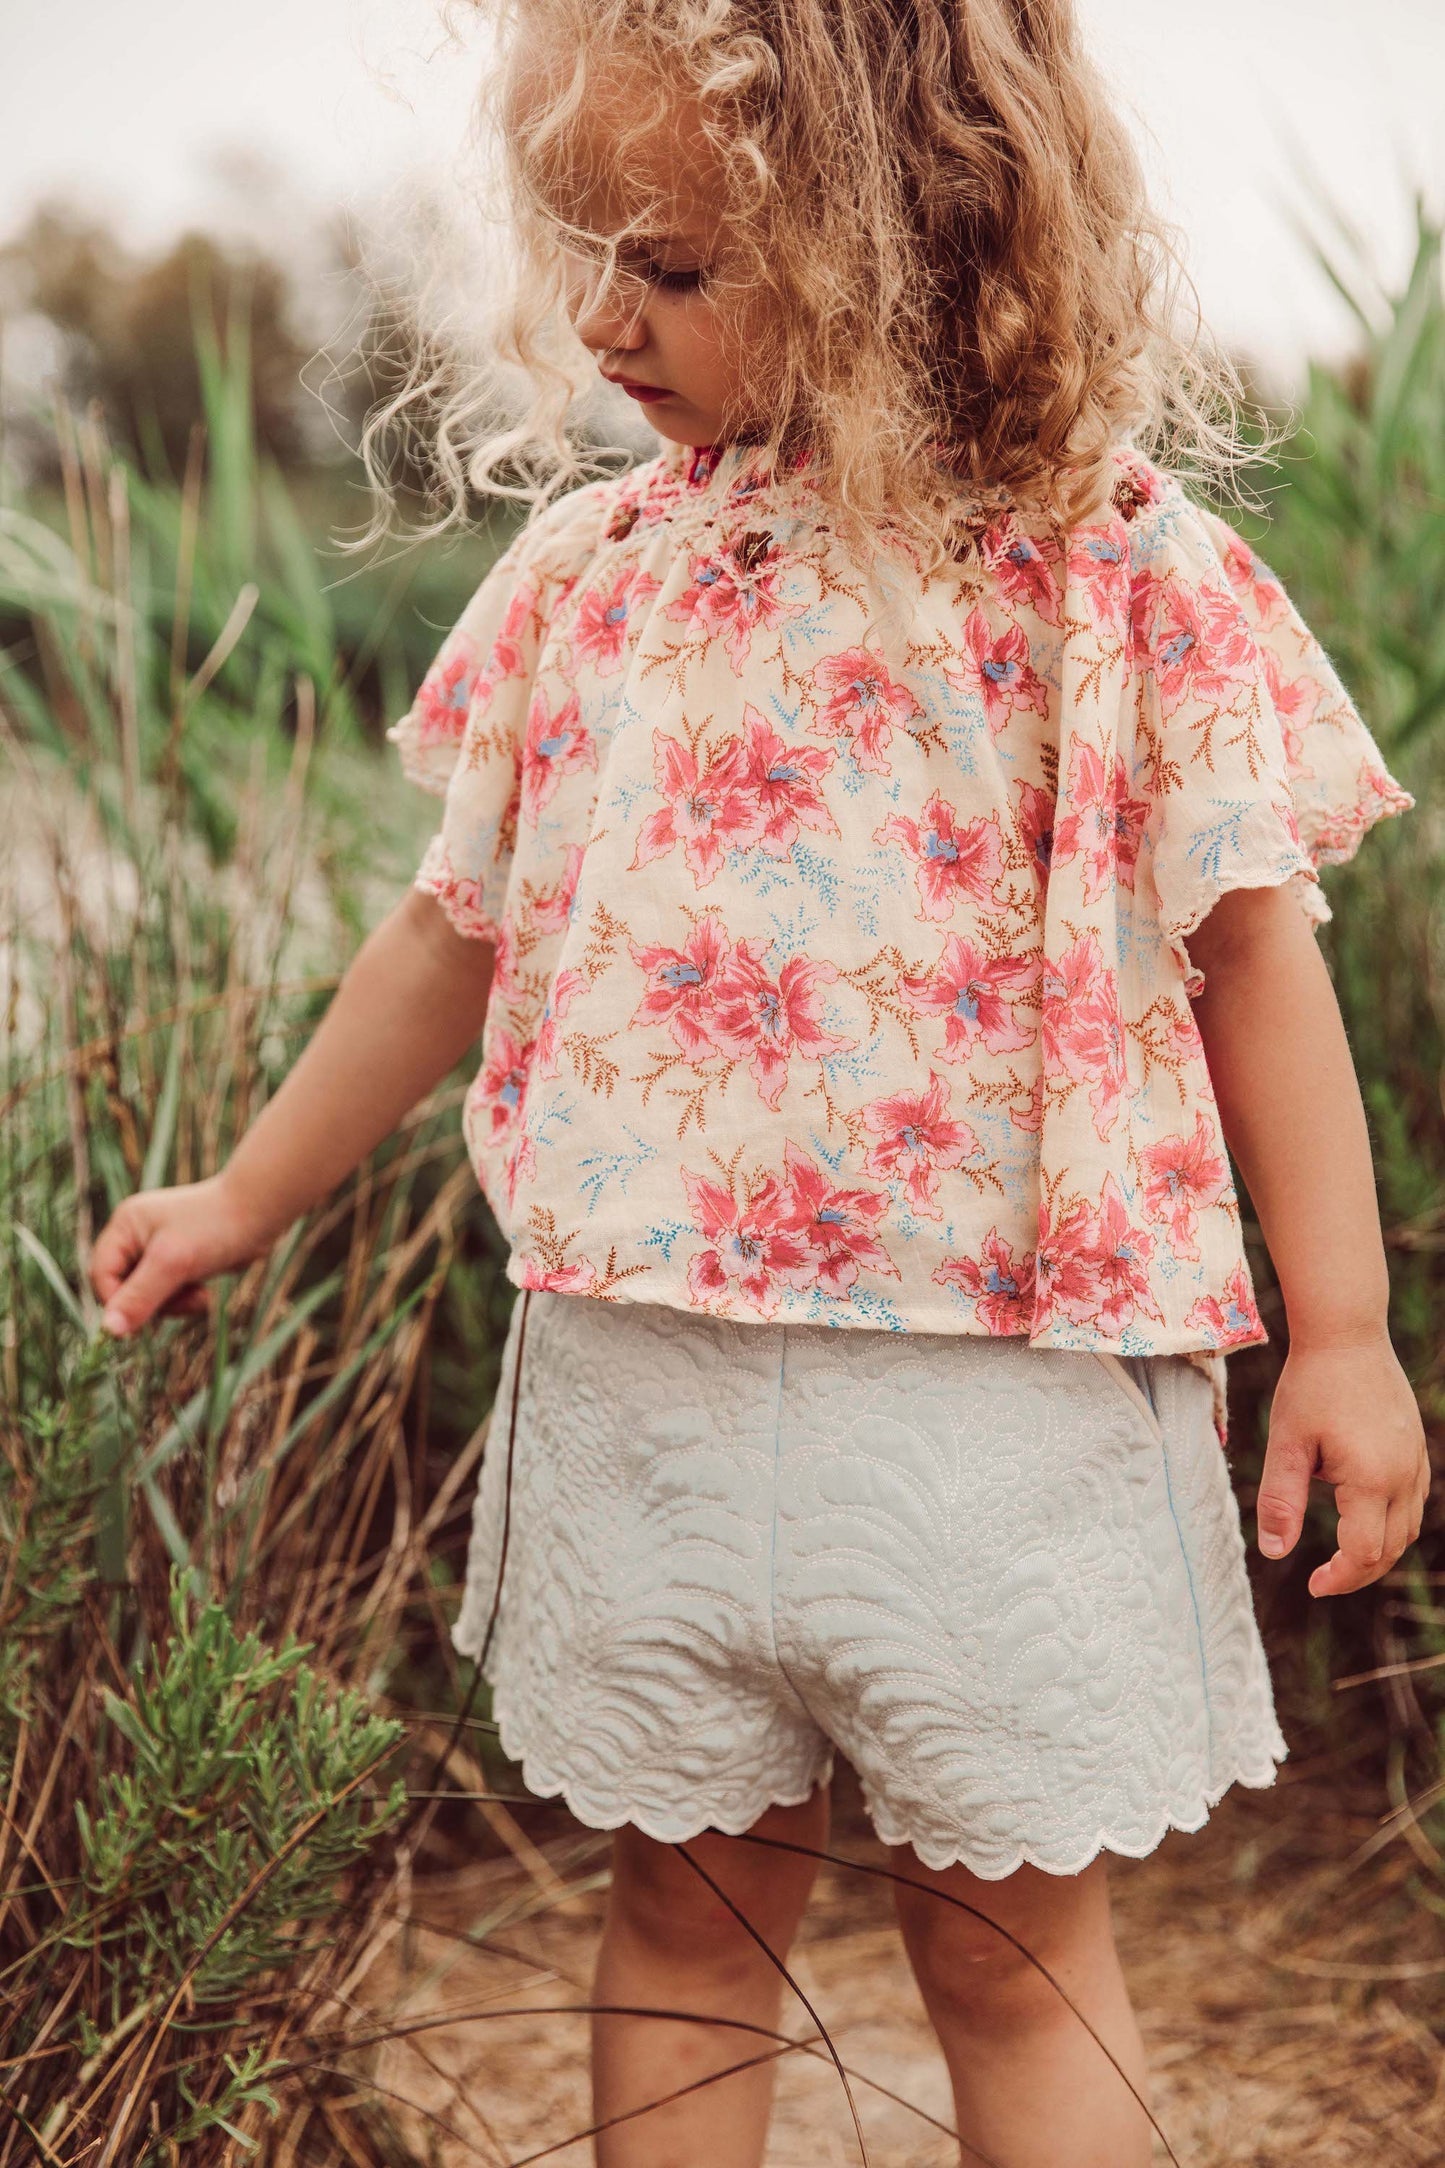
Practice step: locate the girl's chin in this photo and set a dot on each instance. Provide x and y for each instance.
(675, 420)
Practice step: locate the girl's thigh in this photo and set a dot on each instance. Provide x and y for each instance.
(717, 1892)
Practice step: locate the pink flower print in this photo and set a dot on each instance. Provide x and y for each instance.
(1295, 701)
(505, 981)
(1131, 816)
(462, 898)
(951, 861)
(578, 1279)
(555, 745)
(1066, 1270)
(1093, 1268)
(1103, 822)
(734, 594)
(565, 988)
(682, 986)
(974, 993)
(1232, 1322)
(998, 666)
(1023, 567)
(507, 657)
(551, 911)
(1099, 564)
(1197, 639)
(1036, 817)
(786, 782)
(1183, 1176)
(916, 1142)
(753, 1252)
(1002, 1291)
(862, 706)
(706, 812)
(1078, 978)
(839, 1225)
(1122, 1253)
(1247, 575)
(772, 1019)
(445, 693)
(600, 633)
(520, 1166)
(500, 1088)
(1082, 1029)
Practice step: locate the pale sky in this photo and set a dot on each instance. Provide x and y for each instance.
(130, 106)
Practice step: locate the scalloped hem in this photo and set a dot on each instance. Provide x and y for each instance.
(546, 1783)
(1257, 1776)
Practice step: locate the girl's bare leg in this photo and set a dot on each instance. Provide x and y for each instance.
(1031, 2089)
(670, 1944)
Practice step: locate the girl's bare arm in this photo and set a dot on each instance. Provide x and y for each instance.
(1292, 1114)
(412, 1001)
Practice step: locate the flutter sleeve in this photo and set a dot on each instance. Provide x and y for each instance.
(1256, 765)
(464, 737)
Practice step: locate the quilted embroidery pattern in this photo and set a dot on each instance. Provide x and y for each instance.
(1014, 1600)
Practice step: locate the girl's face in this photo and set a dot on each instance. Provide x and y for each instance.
(663, 326)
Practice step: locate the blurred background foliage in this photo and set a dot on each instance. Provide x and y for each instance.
(245, 1537)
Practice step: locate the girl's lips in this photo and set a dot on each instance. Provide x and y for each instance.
(642, 391)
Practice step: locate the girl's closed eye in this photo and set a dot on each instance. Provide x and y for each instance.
(687, 279)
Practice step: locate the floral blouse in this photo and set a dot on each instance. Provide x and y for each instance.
(839, 914)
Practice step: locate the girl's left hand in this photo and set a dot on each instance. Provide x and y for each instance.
(1347, 1415)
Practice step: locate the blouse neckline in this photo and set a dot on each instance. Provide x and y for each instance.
(728, 477)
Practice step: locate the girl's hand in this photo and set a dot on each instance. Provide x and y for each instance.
(159, 1247)
(1347, 1415)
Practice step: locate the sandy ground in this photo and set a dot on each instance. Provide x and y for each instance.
(1283, 1994)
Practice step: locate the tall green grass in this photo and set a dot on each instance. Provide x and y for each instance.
(223, 1547)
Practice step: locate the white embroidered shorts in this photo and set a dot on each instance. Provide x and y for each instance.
(1008, 1583)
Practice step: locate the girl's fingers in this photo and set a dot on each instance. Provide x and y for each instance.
(191, 1301)
(1361, 1540)
(1284, 1488)
(155, 1279)
(117, 1246)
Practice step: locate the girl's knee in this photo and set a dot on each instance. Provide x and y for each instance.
(1004, 1970)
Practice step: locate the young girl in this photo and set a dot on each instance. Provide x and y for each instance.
(879, 854)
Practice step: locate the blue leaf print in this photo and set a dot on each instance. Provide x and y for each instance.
(1212, 847)
(556, 1114)
(664, 1235)
(855, 1066)
(814, 626)
(600, 1168)
(959, 715)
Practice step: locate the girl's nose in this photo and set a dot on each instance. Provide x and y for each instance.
(607, 312)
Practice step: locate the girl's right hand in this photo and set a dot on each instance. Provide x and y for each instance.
(160, 1246)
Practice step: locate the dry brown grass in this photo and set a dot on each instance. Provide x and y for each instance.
(1264, 1972)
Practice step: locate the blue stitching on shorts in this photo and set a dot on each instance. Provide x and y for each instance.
(1193, 1596)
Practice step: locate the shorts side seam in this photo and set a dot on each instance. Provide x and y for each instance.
(1131, 1389)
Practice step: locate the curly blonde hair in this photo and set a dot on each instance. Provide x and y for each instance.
(966, 292)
